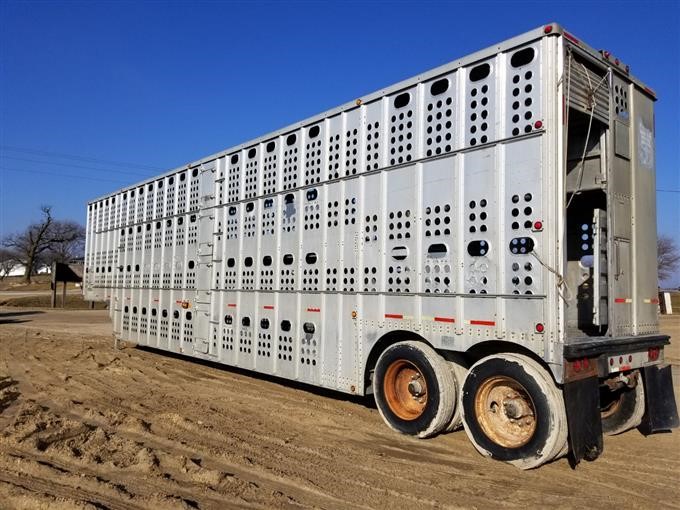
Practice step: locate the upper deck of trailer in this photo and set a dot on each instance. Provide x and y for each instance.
(553, 29)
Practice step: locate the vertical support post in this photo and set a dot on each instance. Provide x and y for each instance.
(63, 296)
(53, 300)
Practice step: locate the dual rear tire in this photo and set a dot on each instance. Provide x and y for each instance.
(509, 405)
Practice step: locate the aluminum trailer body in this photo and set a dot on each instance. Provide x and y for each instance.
(497, 211)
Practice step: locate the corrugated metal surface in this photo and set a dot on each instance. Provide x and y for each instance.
(587, 90)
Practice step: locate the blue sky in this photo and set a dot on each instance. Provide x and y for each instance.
(129, 89)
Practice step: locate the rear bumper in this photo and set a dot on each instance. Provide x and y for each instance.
(589, 347)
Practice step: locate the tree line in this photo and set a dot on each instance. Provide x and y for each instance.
(41, 243)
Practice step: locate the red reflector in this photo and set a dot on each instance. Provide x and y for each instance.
(606, 55)
(538, 124)
(538, 225)
(577, 365)
(547, 29)
(586, 363)
(616, 61)
(540, 328)
(653, 353)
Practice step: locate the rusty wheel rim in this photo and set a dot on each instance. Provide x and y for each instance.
(405, 390)
(505, 412)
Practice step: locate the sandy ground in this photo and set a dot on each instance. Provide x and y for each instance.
(85, 426)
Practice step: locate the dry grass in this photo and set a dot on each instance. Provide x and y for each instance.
(39, 282)
(74, 302)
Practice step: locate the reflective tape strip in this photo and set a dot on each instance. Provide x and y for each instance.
(313, 309)
(571, 38)
(653, 301)
(231, 305)
(445, 319)
(268, 307)
(622, 300)
(393, 316)
(481, 323)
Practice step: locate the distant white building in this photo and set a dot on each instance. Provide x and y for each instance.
(20, 270)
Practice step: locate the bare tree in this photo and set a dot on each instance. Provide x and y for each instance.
(8, 261)
(39, 238)
(668, 256)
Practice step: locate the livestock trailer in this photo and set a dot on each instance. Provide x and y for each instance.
(474, 246)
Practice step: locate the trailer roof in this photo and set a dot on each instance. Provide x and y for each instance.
(549, 30)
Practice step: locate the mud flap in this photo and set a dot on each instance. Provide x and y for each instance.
(661, 413)
(582, 400)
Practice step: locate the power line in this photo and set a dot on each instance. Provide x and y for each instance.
(78, 157)
(668, 190)
(73, 165)
(21, 170)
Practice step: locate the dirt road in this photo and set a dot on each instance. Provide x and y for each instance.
(85, 426)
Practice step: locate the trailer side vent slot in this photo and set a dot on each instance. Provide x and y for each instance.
(400, 224)
(264, 341)
(439, 118)
(312, 215)
(477, 216)
(312, 194)
(228, 319)
(480, 104)
(522, 92)
(439, 87)
(313, 156)
(351, 152)
(290, 164)
(233, 178)
(399, 252)
(245, 340)
(269, 173)
(521, 245)
(268, 218)
(437, 250)
(478, 248)
(522, 57)
(402, 131)
(285, 325)
(480, 72)
(285, 347)
(251, 172)
(438, 220)
(373, 145)
(333, 156)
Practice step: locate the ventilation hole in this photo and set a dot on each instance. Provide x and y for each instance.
(252, 152)
(480, 72)
(291, 139)
(522, 57)
(439, 87)
(402, 100)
